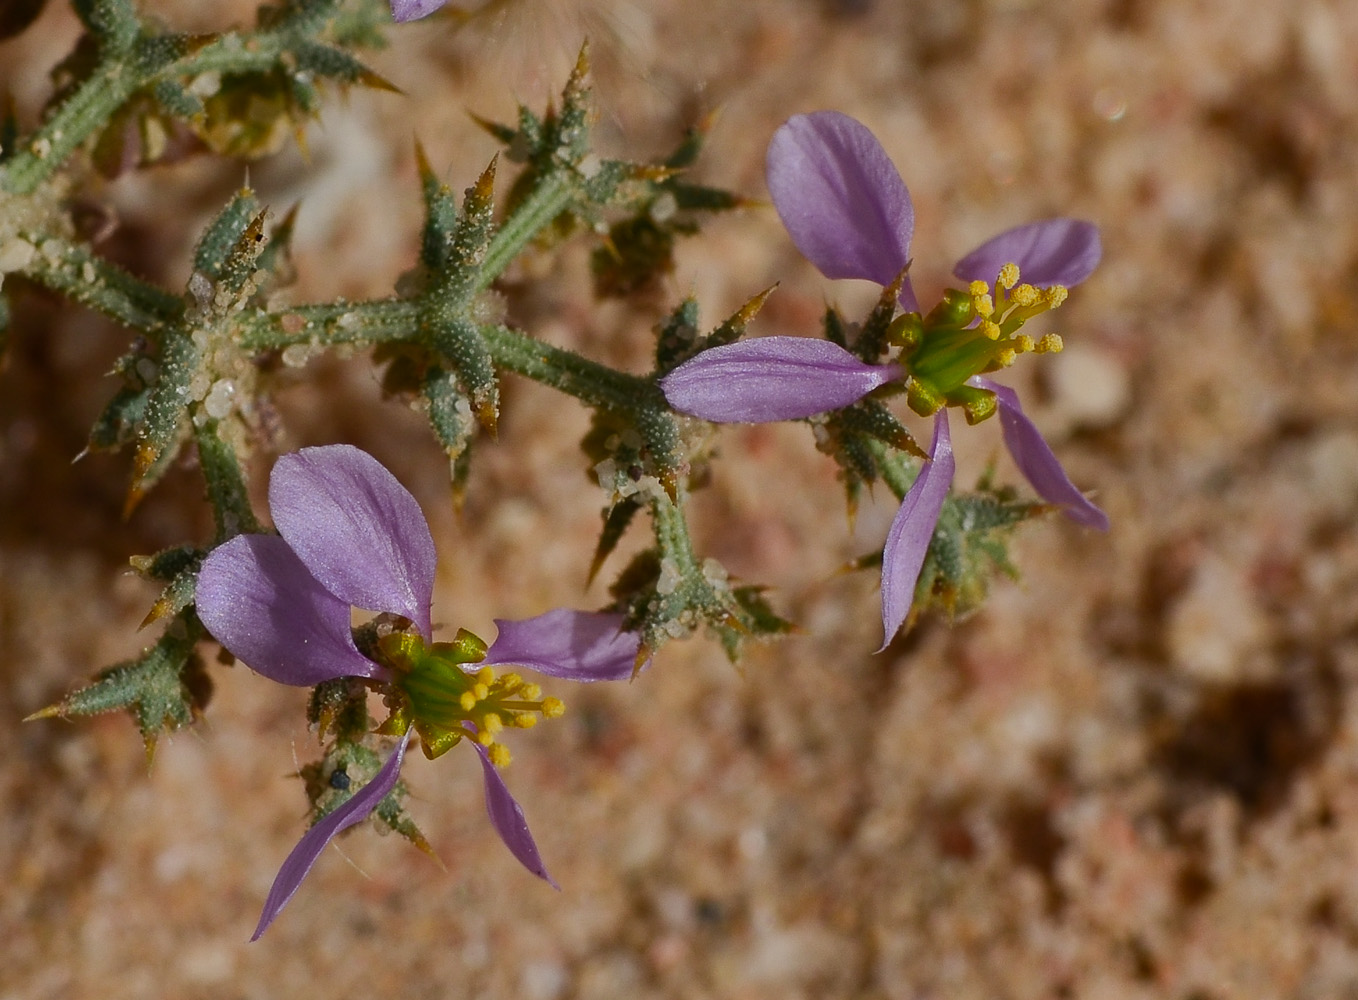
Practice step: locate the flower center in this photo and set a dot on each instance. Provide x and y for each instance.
(970, 333)
(446, 702)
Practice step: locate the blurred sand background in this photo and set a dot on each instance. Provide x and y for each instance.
(1133, 775)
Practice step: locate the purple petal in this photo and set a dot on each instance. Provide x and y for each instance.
(1053, 252)
(913, 528)
(1036, 460)
(358, 530)
(507, 818)
(575, 645)
(841, 198)
(309, 848)
(259, 601)
(413, 10)
(772, 378)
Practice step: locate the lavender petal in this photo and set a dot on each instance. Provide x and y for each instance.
(841, 198)
(772, 378)
(259, 601)
(309, 848)
(1036, 460)
(507, 818)
(413, 10)
(913, 528)
(574, 645)
(357, 529)
(1052, 252)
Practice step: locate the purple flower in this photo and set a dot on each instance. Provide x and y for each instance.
(772, 378)
(907, 543)
(352, 536)
(413, 10)
(848, 211)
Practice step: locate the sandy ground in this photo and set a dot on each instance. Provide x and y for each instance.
(1133, 775)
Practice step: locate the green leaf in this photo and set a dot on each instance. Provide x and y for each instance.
(347, 766)
(450, 414)
(616, 520)
(167, 564)
(460, 344)
(166, 424)
(757, 620)
(174, 98)
(165, 688)
(219, 241)
(113, 22)
(969, 547)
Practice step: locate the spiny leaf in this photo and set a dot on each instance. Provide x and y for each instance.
(178, 568)
(112, 22)
(166, 422)
(450, 414)
(471, 238)
(678, 342)
(440, 217)
(165, 565)
(873, 338)
(165, 688)
(336, 64)
(242, 262)
(460, 344)
(616, 520)
(676, 336)
(871, 418)
(220, 237)
(757, 620)
(970, 545)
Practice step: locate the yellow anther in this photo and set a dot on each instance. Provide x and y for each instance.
(486, 675)
(1009, 275)
(1006, 357)
(510, 681)
(485, 738)
(492, 723)
(1050, 344)
(1055, 295)
(991, 329)
(983, 304)
(1023, 343)
(467, 701)
(524, 720)
(978, 288)
(1026, 295)
(530, 692)
(553, 708)
(499, 754)
(480, 691)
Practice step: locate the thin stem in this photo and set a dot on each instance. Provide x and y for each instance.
(535, 213)
(225, 483)
(568, 372)
(898, 470)
(96, 100)
(76, 272)
(92, 104)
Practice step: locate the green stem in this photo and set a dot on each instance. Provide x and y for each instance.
(898, 470)
(226, 487)
(568, 372)
(73, 270)
(535, 213)
(372, 322)
(92, 104)
(96, 100)
(671, 534)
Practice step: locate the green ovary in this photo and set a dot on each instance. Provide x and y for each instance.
(971, 333)
(441, 696)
